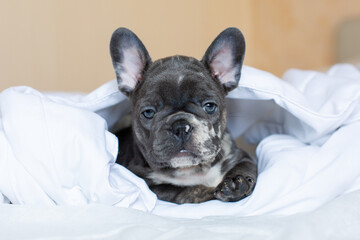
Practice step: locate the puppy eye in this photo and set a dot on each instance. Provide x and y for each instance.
(148, 113)
(210, 107)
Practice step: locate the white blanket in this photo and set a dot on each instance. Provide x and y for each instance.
(337, 220)
(56, 149)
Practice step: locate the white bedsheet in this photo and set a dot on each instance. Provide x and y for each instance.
(339, 219)
(56, 149)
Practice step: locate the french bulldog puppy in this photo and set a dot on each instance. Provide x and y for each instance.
(178, 142)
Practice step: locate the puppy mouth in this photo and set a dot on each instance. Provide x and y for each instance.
(184, 159)
(184, 153)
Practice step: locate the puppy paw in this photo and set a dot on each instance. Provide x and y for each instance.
(233, 189)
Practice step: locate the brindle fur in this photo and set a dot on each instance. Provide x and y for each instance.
(183, 152)
(234, 187)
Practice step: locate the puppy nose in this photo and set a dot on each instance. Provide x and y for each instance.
(182, 130)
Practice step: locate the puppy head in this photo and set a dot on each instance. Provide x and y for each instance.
(178, 103)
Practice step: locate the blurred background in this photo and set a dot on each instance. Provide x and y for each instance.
(62, 45)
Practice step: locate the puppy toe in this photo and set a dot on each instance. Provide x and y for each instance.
(234, 189)
(242, 185)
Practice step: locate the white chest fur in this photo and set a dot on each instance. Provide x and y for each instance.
(210, 177)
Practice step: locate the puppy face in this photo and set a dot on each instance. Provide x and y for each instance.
(178, 113)
(178, 104)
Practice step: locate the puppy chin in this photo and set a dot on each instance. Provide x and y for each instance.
(184, 159)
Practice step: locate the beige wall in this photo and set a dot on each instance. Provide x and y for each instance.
(63, 44)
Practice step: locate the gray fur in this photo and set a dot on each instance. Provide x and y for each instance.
(178, 141)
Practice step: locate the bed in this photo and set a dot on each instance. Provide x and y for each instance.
(57, 155)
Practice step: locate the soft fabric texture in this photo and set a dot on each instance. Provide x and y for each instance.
(57, 149)
(339, 219)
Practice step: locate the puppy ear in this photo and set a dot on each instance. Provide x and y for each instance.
(225, 56)
(130, 59)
